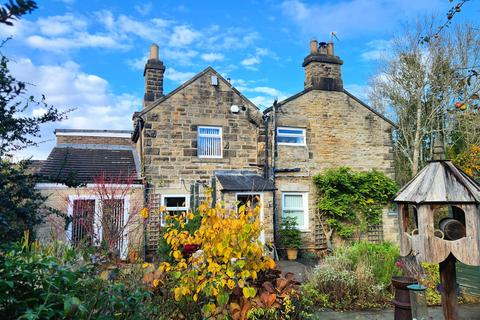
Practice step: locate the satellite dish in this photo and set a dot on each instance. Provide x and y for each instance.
(234, 108)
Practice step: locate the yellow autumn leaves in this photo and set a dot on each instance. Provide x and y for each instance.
(229, 254)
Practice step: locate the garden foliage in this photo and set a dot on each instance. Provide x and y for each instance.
(354, 277)
(351, 200)
(59, 282)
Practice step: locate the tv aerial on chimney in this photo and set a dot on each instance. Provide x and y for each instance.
(333, 34)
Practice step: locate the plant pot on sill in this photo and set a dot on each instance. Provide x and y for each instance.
(402, 297)
(292, 254)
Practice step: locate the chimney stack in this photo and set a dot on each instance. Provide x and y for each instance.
(322, 67)
(153, 75)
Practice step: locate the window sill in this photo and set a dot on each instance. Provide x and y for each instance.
(291, 144)
(210, 160)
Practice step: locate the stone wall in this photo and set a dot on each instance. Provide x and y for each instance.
(85, 139)
(339, 132)
(170, 134)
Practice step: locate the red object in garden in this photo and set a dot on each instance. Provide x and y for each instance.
(403, 309)
(458, 104)
(189, 249)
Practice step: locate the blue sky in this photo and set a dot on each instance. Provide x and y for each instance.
(89, 55)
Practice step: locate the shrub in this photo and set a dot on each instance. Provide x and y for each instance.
(289, 234)
(431, 280)
(357, 276)
(215, 266)
(59, 282)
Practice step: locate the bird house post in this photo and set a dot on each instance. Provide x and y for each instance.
(441, 186)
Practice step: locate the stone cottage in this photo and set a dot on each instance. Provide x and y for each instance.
(203, 133)
(324, 126)
(206, 133)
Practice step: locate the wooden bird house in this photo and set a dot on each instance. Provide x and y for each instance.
(439, 221)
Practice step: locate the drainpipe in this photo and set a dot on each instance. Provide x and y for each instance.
(274, 156)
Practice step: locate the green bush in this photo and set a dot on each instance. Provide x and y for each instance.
(59, 282)
(351, 200)
(289, 234)
(354, 277)
(431, 281)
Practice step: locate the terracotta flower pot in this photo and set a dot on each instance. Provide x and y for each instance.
(402, 297)
(292, 254)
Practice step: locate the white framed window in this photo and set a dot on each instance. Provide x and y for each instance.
(291, 136)
(92, 219)
(209, 144)
(295, 204)
(174, 204)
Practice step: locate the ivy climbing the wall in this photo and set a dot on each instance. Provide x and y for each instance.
(349, 201)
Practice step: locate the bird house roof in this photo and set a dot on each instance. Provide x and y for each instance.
(440, 182)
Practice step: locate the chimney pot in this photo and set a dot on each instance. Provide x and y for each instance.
(153, 52)
(322, 48)
(330, 48)
(313, 46)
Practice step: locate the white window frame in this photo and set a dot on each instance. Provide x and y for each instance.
(185, 208)
(97, 225)
(305, 208)
(262, 234)
(293, 135)
(220, 134)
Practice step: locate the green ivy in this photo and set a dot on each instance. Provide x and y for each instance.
(351, 200)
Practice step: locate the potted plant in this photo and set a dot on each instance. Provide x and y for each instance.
(290, 237)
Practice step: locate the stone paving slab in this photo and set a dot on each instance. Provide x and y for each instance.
(467, 312)
(298, 269)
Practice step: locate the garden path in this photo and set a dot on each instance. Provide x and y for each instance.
(298, 269)
(466, 312)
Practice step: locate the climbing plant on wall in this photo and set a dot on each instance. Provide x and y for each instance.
(350, 200)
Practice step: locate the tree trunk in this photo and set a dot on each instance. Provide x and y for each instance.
(417, 139)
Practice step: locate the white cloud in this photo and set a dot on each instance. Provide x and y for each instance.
(83, 40)
(359, 91)
(183, 35)
(210, 57)
(255, 59)
(377, 50)
(262, 102)
(59, 25)
(251, 61)
(356, 17)
(178, 76)
(73, 88)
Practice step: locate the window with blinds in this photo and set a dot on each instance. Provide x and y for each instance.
(209, 144)
(296, 205)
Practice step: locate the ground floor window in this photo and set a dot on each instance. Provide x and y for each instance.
(83, 216)
(174, 205)
(295, 204)
(94, 220)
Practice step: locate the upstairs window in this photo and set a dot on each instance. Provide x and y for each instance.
(291, 136)
(209, 142)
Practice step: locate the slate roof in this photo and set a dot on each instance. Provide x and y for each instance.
(234, 180)
(440, 182)
(85, 164)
